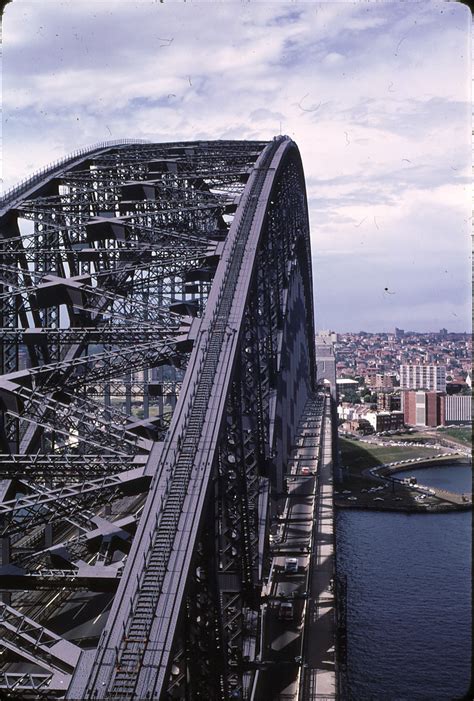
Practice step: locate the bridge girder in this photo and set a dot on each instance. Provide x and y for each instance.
(157, 305)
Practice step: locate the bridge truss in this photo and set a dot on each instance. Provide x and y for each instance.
(157, 353)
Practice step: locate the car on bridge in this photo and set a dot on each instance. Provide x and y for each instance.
(286, 611)
(291, 565)
(305, 471)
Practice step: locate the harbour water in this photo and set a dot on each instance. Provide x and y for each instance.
(455, 477)
(408, 598)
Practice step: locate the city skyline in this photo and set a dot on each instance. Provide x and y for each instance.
(407, 332)
(385, 139)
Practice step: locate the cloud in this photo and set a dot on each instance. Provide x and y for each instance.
(332, 59)
(376, 96)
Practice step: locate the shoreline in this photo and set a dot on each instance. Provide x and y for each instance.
(406, 494)
(442, 508)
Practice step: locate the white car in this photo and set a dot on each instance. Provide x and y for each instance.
(291, 565)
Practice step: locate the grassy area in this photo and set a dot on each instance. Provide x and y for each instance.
(415, 438)
(357, 456)
(461, 435)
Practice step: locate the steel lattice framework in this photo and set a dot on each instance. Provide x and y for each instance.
(157, 353)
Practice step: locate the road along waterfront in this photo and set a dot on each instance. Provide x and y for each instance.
(368, 474)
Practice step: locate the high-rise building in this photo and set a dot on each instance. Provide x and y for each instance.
(326, 361)
(458, 409)
(428, 377)
(423, 408)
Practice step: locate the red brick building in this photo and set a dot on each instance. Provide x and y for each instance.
(388, 401)
(423, 408)
(383, 381)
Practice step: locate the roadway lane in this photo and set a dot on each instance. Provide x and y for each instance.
(286, 594)
(318, 679)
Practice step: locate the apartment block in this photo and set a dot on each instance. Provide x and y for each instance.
(423, 408)
(458, 409)
(383, 381)
(428, 377)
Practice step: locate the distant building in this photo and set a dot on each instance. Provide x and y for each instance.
(352, 412)
(388, 401)
(347, 411)
(383, 381)
(345, 384)
(422, 408)
(399, 333)
(458, 384)
(428, 377)
(350, 425)
(458, 409)
(385, 420)
(331, 336)
(359, 425)
(326, 362)
(369, 375)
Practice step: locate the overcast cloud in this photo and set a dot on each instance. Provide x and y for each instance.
(376, 95)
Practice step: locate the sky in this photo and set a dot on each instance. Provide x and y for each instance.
(375, 94)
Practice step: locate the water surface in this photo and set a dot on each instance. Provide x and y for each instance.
(408, 601)
(455, 478)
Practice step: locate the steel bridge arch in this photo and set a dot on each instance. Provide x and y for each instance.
(195, 568)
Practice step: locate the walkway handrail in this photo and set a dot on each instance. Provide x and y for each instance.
(13, 192)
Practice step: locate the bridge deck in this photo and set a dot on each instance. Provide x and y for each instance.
(298, 653)
(319, 672)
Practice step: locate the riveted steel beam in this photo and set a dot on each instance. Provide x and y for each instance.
(157, 353)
